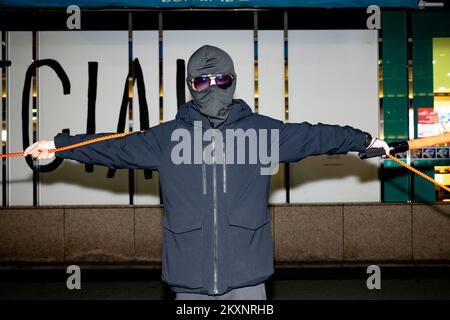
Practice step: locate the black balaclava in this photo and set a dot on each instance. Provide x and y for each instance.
(212, 102)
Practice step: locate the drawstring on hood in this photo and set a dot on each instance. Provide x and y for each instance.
(191, 116)
(213, 102)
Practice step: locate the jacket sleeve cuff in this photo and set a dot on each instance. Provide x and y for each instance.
(62, 140)
(368, 140)
(360, 140)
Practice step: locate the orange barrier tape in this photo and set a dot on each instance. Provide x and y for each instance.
(420, 142)
(423, 175)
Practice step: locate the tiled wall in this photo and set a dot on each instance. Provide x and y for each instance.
(329, 233)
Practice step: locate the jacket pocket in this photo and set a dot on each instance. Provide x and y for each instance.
(249, 216)
(182, 254)
(180, 223)
(250, 249)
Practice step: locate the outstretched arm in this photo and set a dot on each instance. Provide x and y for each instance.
(134, 151)
(300, 140)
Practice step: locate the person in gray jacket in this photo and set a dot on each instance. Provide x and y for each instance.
(215, 166)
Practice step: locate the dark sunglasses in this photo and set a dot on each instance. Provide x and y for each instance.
(223, 81)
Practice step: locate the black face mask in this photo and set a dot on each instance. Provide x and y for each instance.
(213, 102)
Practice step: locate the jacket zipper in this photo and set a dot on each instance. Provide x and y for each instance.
(216, 291)
(224, 169)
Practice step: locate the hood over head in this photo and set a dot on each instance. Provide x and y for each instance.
(212, 102)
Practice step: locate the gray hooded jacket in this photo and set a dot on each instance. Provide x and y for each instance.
(216, 221)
